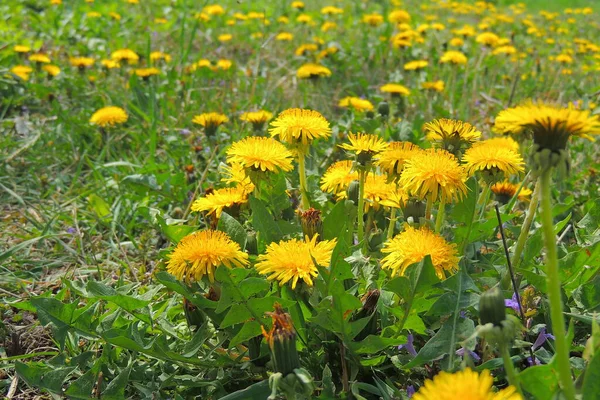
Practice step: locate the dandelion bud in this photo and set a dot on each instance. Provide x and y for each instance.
(370, 114)
(353, 191)
(311, 222)
(282, 342)
(251, 243)
(415, 209)
(492, 308)
(383, 109)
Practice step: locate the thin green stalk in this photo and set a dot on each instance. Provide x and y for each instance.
(485, 198)
(520, 246)
(390, 231)
(553, 284)
(361, 204)
(511, 373)
(303, 185)
(428, 207)
(439, 218)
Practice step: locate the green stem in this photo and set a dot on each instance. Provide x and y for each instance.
(390, 232)
(485, 198)
(428, 207)
(439, 218)
(303, 185)
(361, 204)
(553, 283)
(511, 373)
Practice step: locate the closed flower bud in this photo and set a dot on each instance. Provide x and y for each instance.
(383, 109)
(491, 307)
(311, 222)
(353, 191)
(282, 342)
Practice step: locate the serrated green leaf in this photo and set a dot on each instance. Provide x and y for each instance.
(234, 229)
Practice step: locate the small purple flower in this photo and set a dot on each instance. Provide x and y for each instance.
(461, 352)
(541, 339)
(409, 346)
(531, 363)
(71, 230)
(512, 303)
(463, 314)
(184, 131)
(410, 391)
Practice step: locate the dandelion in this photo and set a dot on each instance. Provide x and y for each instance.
(39, 58)
(437, 86)
(82, 62)
(108, 117)
(337, 178)
(364, 146)
(146, 72)
(226, 37)
(260, 154)
(110, 64)
(377, 190)
(313, 71)
(453, 57)
(200, 254)
(462, 385)
(331, 10)
(412, 245)
(52, 70)
(256, 118)
(236, 174)
(451, 135)
(505, 191)
(394, 157)
(415, 65)
(295, 260)
(21, 49)
(356, 103)
(487, 39)
(372, 19)
(284, 36)
(125, 55)
(22, 71)
(495, 163)
(210, 121)
(159, 55)
(399, 17)
(227, 198)
(395, 89)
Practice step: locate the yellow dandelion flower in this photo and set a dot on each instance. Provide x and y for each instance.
(372, 19)
(466, 31)
(201, 253)
(22, 71)
(297, 125)
(295, 260)
(451, 134)
(491, 159)
(338, 176)
(435, 173)
(146, 72)
(223, 64)
(550, 125)
(210, 121)
(437, 86)
(93, 14)
(399, 17)
(313, 71)
(115, 16)
(377, 190)
(412, 245)
(81, 62)
(52, 70)
(125, 55)
(256, 118)
(504, 50)
(110, 64)
(462, 385)
(456, 42)
(21, 49)
(395, 89)
(487, 39)
(505, 191)
(453, 57)
(109, 116)
(260, 154)
(364, 143)
(214, 9)
(299, 5)
(284, 36)
(160, 21)
(396, 198)
(328, 26)
(226, 37)
(39, 58)
(304, 19)
(236, 174)
(306, 48)
(226, 198)
(415, 65)
(504, 141)
(331, 10)
(392, 159)
(564, 59)
(159, 55)
(356, 103)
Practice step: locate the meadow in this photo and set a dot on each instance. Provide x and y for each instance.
(299, 199)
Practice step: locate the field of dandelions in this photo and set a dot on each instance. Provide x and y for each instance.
(299, 200)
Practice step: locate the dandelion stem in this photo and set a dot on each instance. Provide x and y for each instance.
(516, 258)
(428, 207)
(390, 232)
(511, 373)
(361, 204)
(553, 283)
(303, 185)
(439, 218)
(485, 198)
